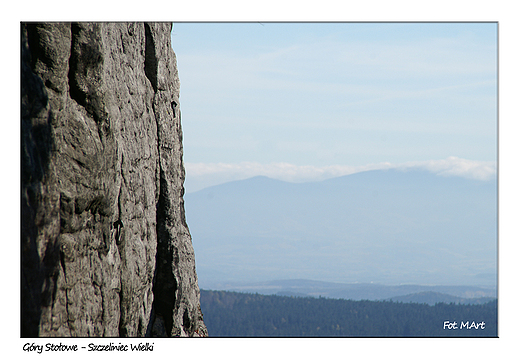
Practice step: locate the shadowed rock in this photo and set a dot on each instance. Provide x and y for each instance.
(105, 246)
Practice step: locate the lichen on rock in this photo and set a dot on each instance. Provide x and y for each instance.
(106, 250)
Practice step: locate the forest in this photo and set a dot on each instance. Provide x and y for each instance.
(234, 314)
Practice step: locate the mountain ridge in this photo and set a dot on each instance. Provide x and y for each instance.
(362, 291)
(263, 178)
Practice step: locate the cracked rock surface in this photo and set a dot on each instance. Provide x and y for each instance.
(106, 250)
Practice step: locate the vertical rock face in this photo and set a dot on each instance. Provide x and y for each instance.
(105, 246)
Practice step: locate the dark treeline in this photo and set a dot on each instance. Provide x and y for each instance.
(240, 314)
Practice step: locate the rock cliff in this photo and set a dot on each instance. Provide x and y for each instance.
(105, 247)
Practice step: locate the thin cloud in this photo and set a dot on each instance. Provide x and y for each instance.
(201, 175)
(454, 166)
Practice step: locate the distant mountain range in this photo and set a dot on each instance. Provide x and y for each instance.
(381, 226)
(399, 293)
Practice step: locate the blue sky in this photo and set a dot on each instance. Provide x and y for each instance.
(307, 101)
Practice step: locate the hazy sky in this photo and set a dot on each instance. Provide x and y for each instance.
(306, 101)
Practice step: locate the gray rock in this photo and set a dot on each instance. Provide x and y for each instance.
(106, 250)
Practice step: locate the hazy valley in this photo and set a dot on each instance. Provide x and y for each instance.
(386, 227)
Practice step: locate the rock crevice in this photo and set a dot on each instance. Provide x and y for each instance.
(105, 246)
